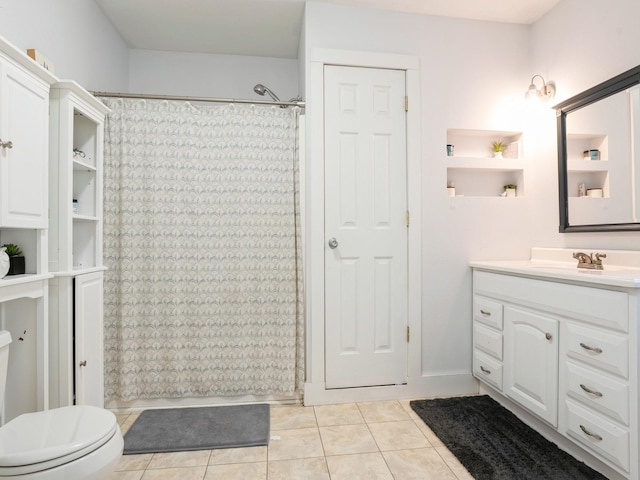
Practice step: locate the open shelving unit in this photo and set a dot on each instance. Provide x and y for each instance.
(75, 245)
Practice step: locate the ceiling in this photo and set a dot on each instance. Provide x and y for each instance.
(271, 28)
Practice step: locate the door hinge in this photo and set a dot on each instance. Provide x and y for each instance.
(406, 103)
(408, 334)
(407, 218)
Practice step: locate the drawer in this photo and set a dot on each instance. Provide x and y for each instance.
(487, 340)
(604, 350)
(487, 311)
(598, 391)
(487, 369)
(598, 435)
(607, 308)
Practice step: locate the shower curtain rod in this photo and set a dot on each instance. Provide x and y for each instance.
(293, 103)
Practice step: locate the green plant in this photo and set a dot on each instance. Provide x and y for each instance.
(498, 146)
(510, 186)
(12, 249)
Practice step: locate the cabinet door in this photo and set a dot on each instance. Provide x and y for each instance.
(531, 362)
(24, 121)
(89, 339)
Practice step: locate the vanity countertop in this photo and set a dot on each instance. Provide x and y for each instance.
(620, 268)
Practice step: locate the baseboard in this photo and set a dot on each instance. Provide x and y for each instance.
(426, 386)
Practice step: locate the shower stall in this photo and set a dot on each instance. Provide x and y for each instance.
(203, 293)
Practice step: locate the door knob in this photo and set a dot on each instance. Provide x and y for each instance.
(333, 243)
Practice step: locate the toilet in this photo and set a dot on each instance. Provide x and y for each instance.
(68, 443)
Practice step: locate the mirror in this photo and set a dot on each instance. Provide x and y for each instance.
(598, 167)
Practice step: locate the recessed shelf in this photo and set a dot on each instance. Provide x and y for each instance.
(475, 172)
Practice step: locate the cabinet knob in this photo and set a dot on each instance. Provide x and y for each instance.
(548, 336)
(83, 363)
(8, 144)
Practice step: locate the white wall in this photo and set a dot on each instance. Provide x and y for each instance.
(473, 75)
(74, 35)
(208, 75)
(579, 44)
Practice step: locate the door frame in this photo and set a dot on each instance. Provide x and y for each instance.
(315, 392)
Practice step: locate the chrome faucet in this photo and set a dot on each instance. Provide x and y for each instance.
(587, 261)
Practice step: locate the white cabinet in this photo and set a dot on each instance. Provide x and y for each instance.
(89, 379)
(24, 133)
(570, 357)
(531, 361)
(75, 245)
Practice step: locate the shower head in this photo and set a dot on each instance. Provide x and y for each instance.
(261, 90)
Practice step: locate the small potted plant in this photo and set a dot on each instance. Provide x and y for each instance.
(510, 190)
(497, 148)
(16, 259)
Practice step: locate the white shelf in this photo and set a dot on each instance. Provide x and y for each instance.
(85, 218)
(23, 286)
(80, 166)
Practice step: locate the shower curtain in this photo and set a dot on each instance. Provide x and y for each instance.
(201, 240)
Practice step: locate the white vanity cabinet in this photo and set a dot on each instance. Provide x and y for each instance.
(24, 134)
(569, 356)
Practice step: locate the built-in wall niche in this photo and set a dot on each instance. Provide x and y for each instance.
(484, 182)
(580, 146)
(474, 170)
(589, 175)
(477, 144)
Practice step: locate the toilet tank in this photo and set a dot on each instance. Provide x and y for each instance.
(5, 340)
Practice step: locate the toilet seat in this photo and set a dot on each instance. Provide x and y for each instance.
(43, 440)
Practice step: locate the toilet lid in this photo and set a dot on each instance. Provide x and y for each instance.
(54, 434)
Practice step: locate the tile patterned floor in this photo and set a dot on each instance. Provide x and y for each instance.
(356, 441)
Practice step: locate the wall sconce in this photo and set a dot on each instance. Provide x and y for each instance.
(547, 91)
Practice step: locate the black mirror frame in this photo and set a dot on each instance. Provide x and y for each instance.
(605, 89)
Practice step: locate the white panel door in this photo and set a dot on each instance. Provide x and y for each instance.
(531, 362)
(365, 227)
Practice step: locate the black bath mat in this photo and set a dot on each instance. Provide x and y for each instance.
(202, 428)
(493, 444)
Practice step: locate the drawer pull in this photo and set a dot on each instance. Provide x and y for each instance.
(592, 435)
(592, 392)
(590, 349)
(485, 370)
(485, 313)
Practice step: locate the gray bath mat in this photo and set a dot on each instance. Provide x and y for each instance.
(203, 428)
(493, 444)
